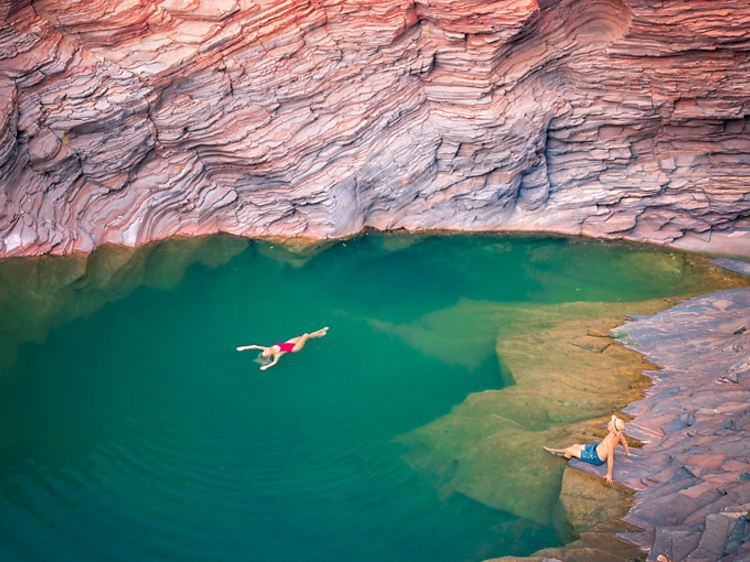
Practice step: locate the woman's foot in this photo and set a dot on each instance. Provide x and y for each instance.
(558, 452)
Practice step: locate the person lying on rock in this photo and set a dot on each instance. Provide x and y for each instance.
(269, 356)
(598, 454)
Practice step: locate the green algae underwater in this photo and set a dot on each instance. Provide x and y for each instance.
(132, 430)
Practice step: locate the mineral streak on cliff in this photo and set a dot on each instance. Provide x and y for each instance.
(123, 121)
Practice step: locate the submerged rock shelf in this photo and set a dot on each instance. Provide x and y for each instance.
(129, 123)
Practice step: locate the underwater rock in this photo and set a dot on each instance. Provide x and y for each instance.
(490, 446)
(125, 122)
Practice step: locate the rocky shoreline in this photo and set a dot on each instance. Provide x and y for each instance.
(692, 476)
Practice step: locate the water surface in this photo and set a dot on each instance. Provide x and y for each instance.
(132, 430)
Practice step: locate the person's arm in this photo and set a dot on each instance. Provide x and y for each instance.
(244, 347)
(272, 363)
(624, 445)
(610, 466)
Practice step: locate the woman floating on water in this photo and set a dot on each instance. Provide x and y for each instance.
(278, 349)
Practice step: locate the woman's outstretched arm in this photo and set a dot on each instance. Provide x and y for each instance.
(272, 363)
(244, 347)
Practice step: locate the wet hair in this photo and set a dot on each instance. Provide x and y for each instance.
(263, 360)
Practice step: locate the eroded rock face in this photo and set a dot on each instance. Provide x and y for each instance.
(128, 120)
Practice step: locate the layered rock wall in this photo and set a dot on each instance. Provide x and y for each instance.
(123, 121)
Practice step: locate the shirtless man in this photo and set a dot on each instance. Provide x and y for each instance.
(600, 453)
(292, 345)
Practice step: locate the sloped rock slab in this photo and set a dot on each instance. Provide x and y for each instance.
(692, 477)
(737, 266)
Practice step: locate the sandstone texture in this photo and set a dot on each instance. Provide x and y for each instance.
(131, 120)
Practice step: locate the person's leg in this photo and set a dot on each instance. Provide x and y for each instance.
(320, 333)
(299, 341)
(568, 452)
(574, 451)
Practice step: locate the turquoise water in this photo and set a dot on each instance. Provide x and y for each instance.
(132, 430)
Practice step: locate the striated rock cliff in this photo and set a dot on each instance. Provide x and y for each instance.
(124, 121)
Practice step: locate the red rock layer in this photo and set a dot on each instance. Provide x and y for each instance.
(128, 120)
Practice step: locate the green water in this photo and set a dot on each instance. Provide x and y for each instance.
(132, 430)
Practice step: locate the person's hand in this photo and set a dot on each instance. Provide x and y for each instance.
(608, 479)
(264, 367)
(240, 348)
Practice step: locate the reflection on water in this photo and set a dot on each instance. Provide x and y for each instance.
(132, 426)
(41, 292)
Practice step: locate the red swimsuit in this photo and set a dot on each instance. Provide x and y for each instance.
(287, 347)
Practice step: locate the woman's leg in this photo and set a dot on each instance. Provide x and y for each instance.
(568, 452)
(299, 341)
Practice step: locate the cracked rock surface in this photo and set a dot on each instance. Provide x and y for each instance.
(125, 121)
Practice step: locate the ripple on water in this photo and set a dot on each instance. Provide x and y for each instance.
(165, 474)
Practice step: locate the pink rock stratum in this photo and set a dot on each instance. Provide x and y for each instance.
(123, 121)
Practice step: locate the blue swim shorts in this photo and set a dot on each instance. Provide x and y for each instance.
(589, 455)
